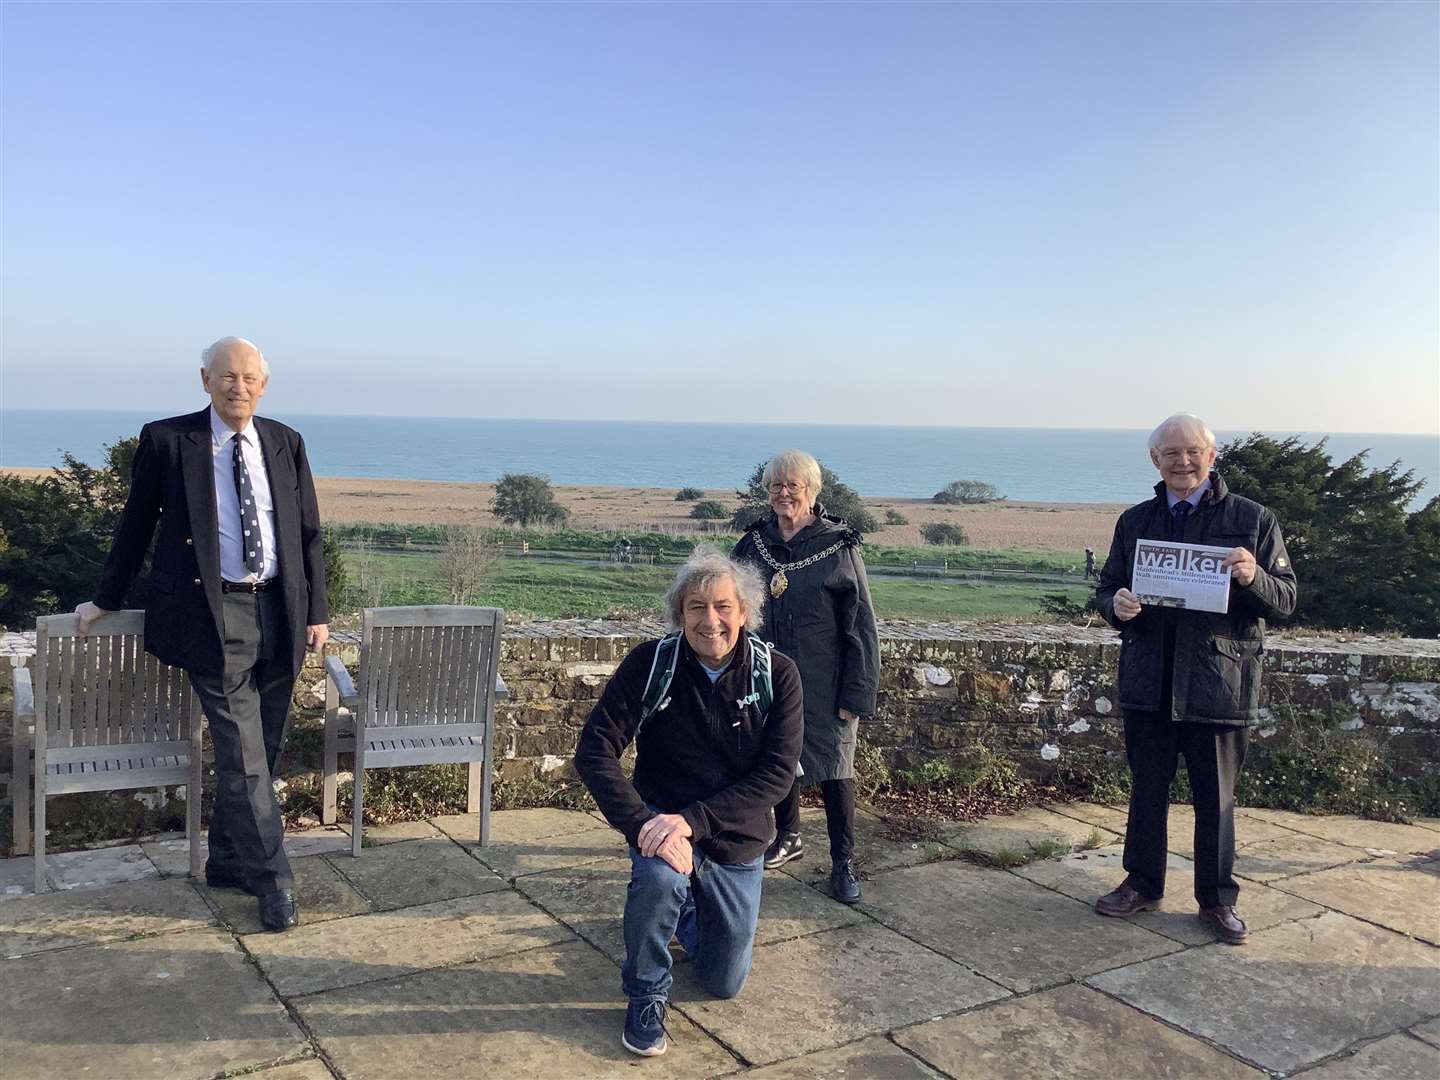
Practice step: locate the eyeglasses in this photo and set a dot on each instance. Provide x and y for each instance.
(1196, 453)
(796, 486)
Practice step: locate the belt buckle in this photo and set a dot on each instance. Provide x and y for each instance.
(254, 587)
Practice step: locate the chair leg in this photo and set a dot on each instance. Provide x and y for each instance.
(485, 788)
(357, 824)
(329, 782)
(41, 884)
(20, 792)
(472, 789)
(194, 795)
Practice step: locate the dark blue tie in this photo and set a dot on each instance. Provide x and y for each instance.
(1178, 513)
(254, 550)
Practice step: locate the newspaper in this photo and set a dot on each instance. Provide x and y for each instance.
(1167, 573)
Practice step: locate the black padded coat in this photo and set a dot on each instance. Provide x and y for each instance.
(825, 623)
(1216, 663)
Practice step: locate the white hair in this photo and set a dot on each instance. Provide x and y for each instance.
(705, 566)
(213, 350)
(1187, 421)
(794, 463)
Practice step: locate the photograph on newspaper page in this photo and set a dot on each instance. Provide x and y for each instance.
(1171, 574)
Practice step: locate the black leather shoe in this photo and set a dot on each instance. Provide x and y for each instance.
(787, 846)
(278, 911)
(843, 886)
(218, 877)
(1225, 924)
(1124, 901)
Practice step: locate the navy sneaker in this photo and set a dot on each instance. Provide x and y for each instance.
(645, 1027)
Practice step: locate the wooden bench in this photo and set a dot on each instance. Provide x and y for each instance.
(101, 714)
(429, 680)
(514, 547)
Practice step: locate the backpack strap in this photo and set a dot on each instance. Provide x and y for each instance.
(762, 682)
(662, 674)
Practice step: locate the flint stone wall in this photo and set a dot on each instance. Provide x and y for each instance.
(1042, 695)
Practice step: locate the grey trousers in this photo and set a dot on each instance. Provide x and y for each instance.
(248, 708)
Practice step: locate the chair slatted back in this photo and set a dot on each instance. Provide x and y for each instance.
(429, 665)
(105, 689)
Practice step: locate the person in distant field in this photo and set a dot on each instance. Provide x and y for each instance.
(818, 612)
(711, 760)
(1190, 680)
(1089, 563)
(237, 593)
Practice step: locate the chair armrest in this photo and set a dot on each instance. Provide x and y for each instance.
(344, 685)
(24, 694)
(502, 692)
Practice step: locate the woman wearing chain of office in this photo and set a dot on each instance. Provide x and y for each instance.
(818, 613)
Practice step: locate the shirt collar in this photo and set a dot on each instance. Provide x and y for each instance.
(1193, 498)
(221, 432)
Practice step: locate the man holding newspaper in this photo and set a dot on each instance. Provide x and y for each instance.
(1191, 578)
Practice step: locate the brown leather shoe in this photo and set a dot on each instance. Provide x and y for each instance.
(1124, 901)
(1227, 925)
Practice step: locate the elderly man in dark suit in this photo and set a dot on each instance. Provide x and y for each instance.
(1190, 680)
(237, 593)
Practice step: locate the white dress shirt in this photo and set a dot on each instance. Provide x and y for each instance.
(233, 524)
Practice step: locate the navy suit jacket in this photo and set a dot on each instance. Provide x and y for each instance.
(173, 485)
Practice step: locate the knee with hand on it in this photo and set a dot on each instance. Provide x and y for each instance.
(652, 874)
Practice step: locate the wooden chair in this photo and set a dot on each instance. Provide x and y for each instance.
(107, 716)
(429, 680)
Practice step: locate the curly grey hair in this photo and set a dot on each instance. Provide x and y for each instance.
(706, 565)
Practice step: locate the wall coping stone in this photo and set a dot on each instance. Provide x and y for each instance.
(19, 646)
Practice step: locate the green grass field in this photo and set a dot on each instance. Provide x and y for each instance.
(538, 588)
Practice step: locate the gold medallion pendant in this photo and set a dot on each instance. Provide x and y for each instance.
(778, 584)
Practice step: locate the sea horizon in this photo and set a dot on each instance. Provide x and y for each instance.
(1027, 464)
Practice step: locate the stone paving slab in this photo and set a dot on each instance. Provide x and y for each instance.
(1072, 1031)
(1088, 875)
(552, 1012)
(1180, 831)
(1363, 833)
(179, 1005)
(98, 867)
(517, 826)
(34, 924)
(875, 1058)
(824, 990)
(513, 859)
(1395, 1057)
(321, 894)
(1275, 860)
(397, 831)
(309, 1069)
(590, 900)
(1022, 832)
(1429, 1031)
(1407, 900)
(875, 852)
(17, 877)
(1013, 931)
(1294, 994)
(414, 872)
(171, 852)
(1114, 818)
(393, 943)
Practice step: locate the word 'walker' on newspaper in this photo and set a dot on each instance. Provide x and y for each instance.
(1170, 574)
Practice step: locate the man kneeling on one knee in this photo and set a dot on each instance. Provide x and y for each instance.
(717, 721)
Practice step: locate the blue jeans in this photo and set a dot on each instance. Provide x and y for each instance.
(712, 912)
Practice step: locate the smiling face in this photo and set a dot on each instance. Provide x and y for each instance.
(714, 618)
(235, 382)
(790, 498)
(1184, 458)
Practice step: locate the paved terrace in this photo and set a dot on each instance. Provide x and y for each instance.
(429, 956)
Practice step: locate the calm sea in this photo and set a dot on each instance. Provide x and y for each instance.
(1063, 465)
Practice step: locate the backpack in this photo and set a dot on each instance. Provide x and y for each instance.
(662, 674)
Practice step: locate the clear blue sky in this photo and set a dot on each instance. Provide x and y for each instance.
(1011, 214)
